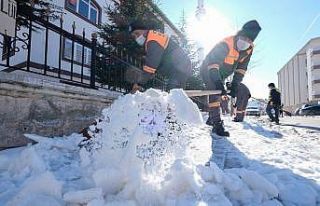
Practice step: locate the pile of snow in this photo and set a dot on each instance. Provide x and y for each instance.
(149, 149)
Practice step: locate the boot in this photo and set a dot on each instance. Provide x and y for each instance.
(237, 120)
(209, 120)
(218, 128)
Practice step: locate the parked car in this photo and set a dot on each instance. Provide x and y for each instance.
(310, 110)
(253, 111)
(297, 111)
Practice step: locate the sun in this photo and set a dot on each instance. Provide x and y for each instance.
(211, 28)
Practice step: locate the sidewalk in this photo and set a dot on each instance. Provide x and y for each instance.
(307, 122)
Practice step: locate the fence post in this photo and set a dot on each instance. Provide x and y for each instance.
(93, 60)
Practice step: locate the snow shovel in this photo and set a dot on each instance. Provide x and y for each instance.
(199, 93)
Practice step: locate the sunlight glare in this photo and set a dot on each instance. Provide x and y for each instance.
(209, 30)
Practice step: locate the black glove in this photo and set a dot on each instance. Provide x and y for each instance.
(219, 86)
(233, 90)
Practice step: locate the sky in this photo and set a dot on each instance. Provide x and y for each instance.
(287, 25)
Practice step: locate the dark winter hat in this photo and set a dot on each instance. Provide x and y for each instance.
(250, 29)
(271, 85)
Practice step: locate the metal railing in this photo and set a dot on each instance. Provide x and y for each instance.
(74, 59)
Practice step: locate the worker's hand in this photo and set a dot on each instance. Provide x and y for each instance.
(219, 86)
(135, 88)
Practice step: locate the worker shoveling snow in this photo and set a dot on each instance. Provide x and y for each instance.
(149, 149)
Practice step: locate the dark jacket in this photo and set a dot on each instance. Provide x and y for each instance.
(275, 97)
(166, 55)
(224, 60)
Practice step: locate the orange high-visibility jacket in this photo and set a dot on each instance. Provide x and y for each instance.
(224, 59)
(164, 54)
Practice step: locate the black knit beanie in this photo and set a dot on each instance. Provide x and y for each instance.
(250, 29)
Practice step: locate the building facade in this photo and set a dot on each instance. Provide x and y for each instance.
(299, 79)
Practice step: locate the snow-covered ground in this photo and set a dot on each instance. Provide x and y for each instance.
(150, 149)
(287, 156)
(308, 122)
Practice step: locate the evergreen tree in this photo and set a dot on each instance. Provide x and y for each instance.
(41, 8)
(120, 16)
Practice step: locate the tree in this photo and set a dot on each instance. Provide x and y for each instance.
(120, 16)
(41, 8)
(194, 82)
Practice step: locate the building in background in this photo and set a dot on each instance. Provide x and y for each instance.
(299, 79)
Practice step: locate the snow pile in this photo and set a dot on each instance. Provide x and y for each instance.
(149, 149)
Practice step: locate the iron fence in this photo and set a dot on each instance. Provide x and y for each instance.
(48, 49)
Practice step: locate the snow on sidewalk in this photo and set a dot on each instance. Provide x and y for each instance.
(150, 149)
(287, 156)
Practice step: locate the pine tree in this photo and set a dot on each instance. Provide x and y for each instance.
(120, 16)
(40, 8)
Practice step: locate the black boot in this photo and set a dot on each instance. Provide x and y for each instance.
(237, 120)
(218, 128)
(210, 119)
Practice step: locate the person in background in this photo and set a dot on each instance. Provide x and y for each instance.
(274, 103)
(230, 56)
(225, 104)
(162, 54)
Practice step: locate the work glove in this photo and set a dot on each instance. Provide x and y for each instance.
(219, 86)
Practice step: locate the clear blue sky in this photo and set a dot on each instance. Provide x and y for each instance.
(286, 26)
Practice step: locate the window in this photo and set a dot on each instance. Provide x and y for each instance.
(67, 49)
(86, 8)
(93, 13)
(77, 55)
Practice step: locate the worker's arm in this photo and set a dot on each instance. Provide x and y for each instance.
(216, 59)
(238, 75)
(215, 62)
(241, 70)
(154, 53)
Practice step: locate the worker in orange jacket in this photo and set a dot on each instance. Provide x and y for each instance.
(162, 54)
(230, 56)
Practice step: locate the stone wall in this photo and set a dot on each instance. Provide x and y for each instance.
(45, 107)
